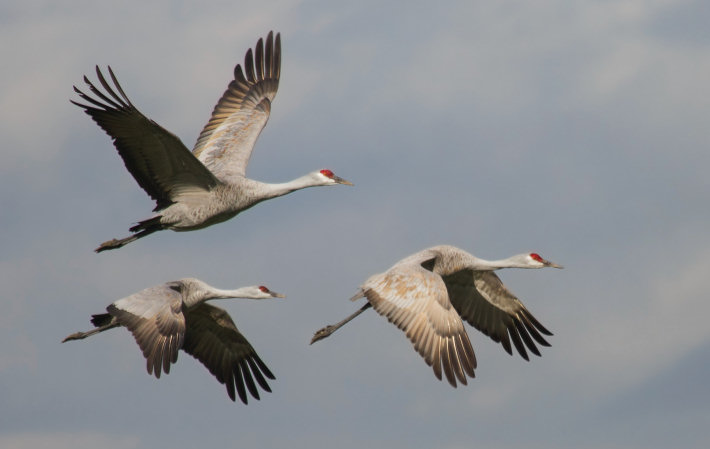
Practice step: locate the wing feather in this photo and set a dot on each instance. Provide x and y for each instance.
(415, 300)
(485, 303)
(227, 140)
(156, 158)
(155, 319)
(212, 338)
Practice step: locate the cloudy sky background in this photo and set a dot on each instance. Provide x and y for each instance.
(578, 129)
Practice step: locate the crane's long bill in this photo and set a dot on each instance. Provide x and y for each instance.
(552, 265)
(340, 180)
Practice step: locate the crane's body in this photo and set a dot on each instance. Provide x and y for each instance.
(428, 293)
(197, 189)
(172, 316)
(225, 201)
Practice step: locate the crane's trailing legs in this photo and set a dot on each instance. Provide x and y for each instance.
(103, 322)
(143, 228)
(326, 331)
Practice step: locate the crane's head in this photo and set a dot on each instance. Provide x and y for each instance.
(263, 292)
(535, 261)
(327, 177)
(269, 294)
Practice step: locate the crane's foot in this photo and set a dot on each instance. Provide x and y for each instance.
(323, 333)
(109, 323)
(111, 244)
(143, 228)
(75, 336)
(117, 243)
(326, 331)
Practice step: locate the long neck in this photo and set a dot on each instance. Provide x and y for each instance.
(510, 262)
(196, 292)
(450, 259)
(280, 189)
(217, 293)
(491, 265)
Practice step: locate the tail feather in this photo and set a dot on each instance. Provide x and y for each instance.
(143, 228)
(151, 224)
(101, 319)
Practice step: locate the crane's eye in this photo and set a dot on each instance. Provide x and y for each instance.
(536, 256)
(263, 289)
(327, 173)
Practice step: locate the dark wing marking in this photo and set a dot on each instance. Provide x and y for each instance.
(485, 303)
(213, 339)
(157, 159)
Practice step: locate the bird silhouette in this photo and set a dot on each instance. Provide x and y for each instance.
(193, 190)
(172, 316)
(428, 293)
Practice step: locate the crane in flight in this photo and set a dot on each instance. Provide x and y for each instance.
(428, 293)
(193, 190)
(172, 316)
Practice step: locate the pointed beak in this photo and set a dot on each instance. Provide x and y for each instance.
(277, 295)
(340, 180)
(552, 264)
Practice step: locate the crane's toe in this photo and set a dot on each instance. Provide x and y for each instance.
(109, 244)
(323, 333)
(74, 336)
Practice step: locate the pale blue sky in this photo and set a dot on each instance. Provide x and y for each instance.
(577, 129)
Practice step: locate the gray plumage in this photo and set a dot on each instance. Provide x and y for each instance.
(172, 316)
(428, 293)
(193, 190)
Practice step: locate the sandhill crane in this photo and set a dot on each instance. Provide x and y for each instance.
(208, 186)
(427, 294)
(172, 316)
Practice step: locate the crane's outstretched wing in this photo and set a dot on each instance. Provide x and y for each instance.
(226, 142)
(157, 159)
(155, 319)
(415, 300)
(213, 339)
(485, 303)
